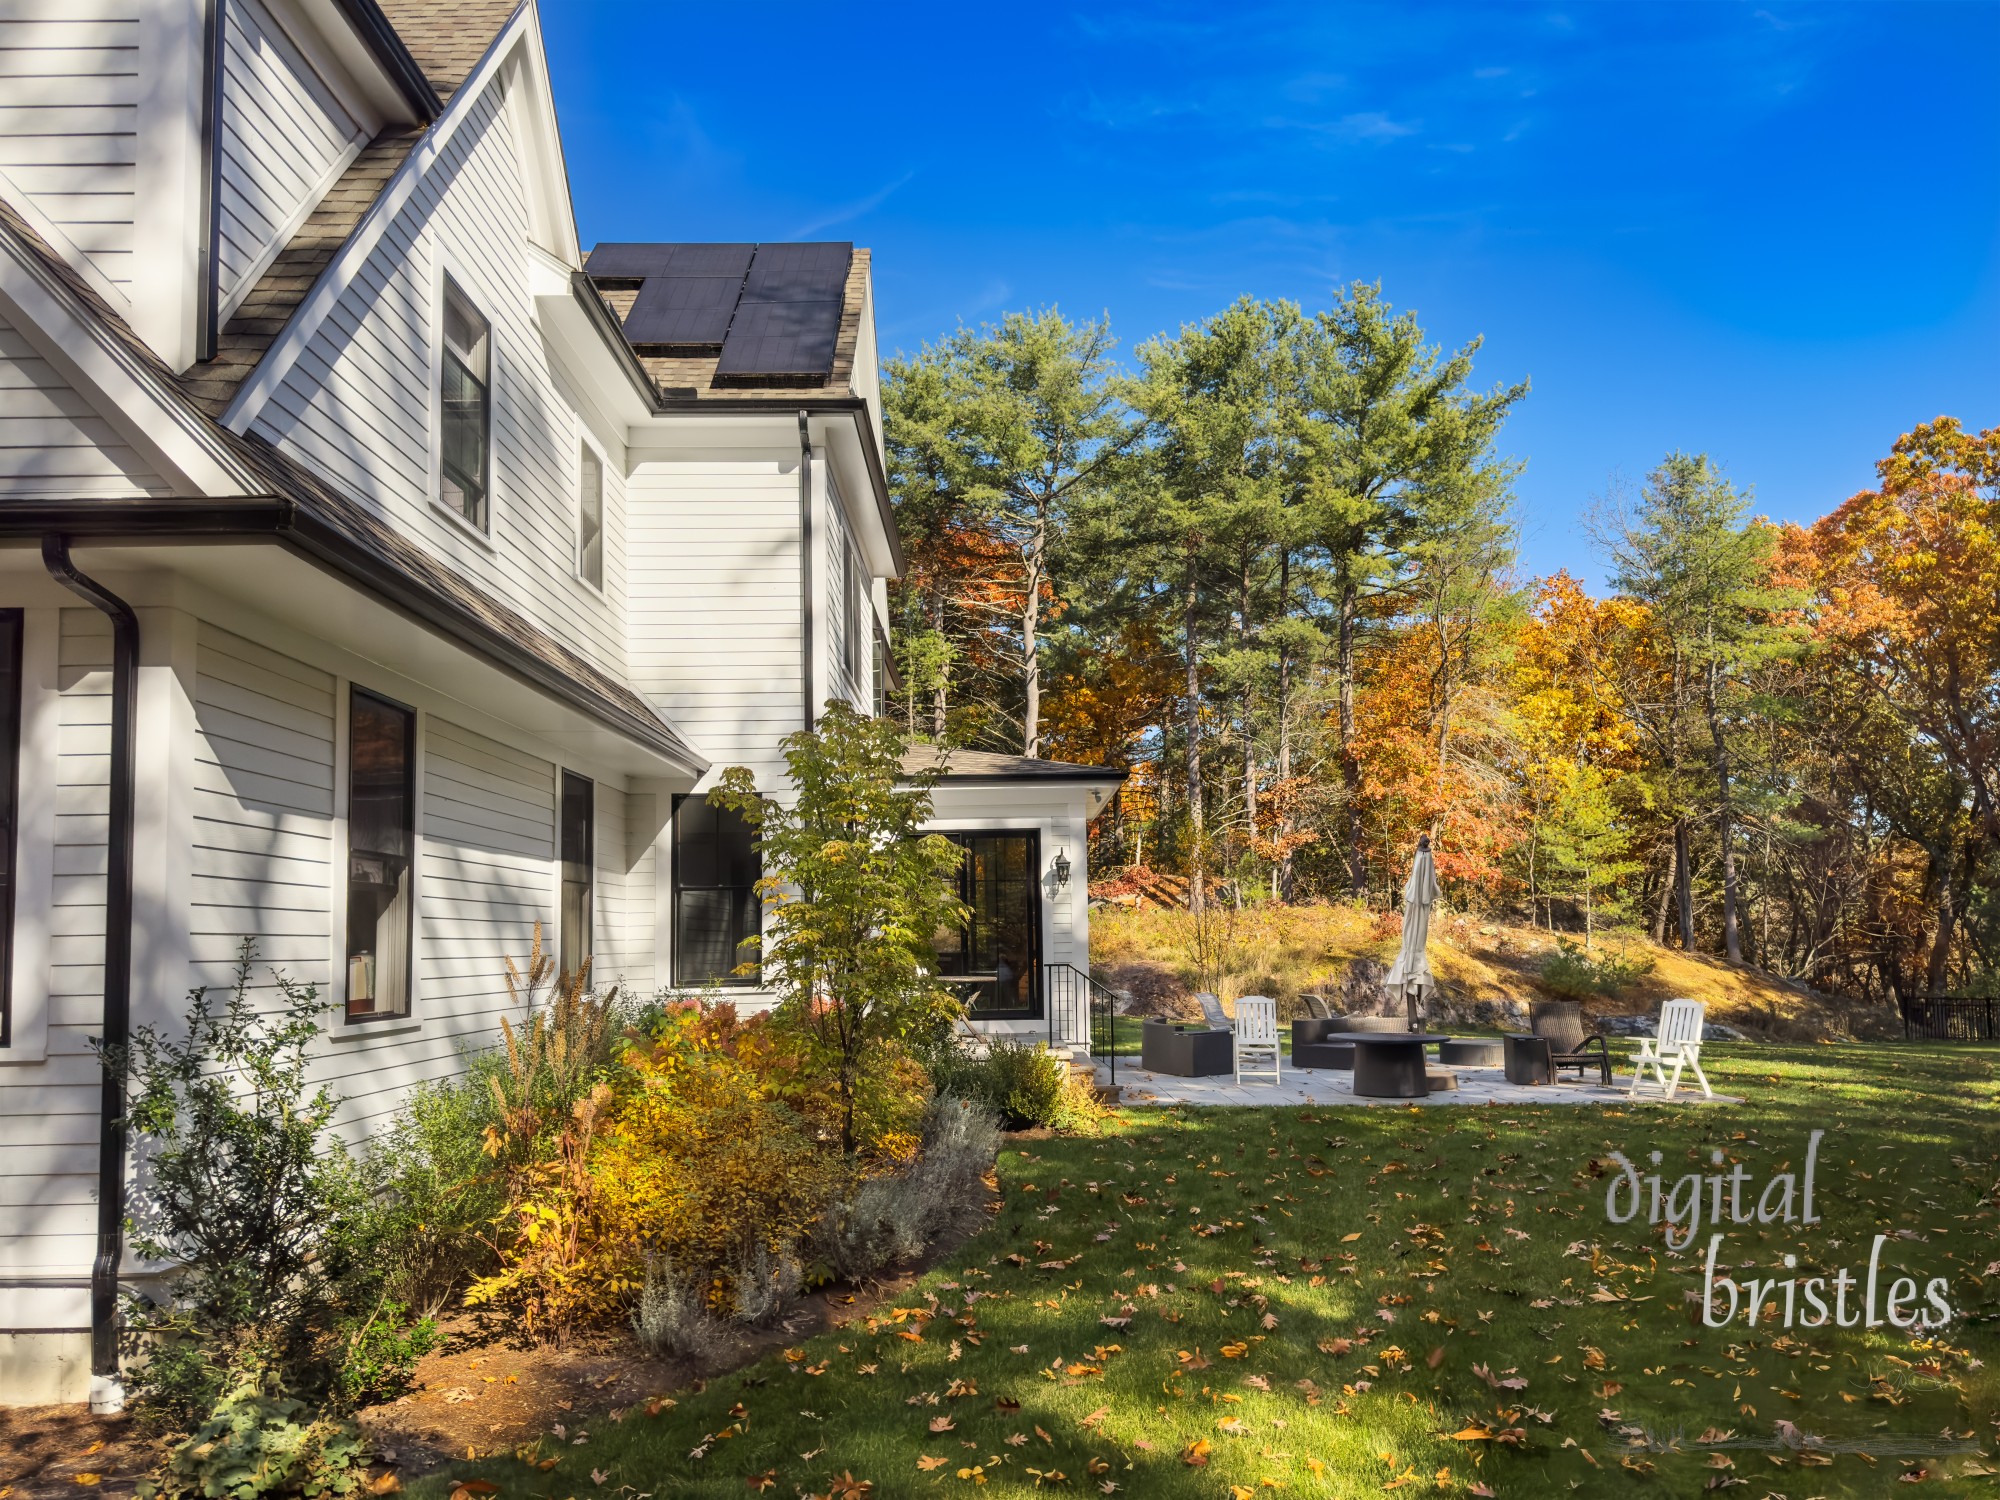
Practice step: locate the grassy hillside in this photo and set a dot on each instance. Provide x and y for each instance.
(1288, 951)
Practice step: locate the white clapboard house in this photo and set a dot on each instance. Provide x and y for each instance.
(381, 576)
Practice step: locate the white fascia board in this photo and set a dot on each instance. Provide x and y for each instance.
(335, 279)
(321, 30)
(547, 171)
(130, 395)
(573, 339)
(842, 435)
(52, 235)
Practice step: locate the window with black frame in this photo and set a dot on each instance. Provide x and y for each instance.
(10, 777)
(716, 906)
(381, 843)
(579, 850)
(465, 408)
(995, 957)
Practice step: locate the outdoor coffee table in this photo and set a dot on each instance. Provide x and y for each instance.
(1471, 1052)
(1390, 1065)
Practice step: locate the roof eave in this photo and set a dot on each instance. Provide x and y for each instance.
(387, 48)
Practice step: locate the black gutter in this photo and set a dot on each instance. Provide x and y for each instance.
(117, 968)
(380, 38)
(806, 570)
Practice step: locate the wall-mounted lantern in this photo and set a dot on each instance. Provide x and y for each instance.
(1062, 868)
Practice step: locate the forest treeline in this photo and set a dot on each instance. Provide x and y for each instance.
(1271, 566)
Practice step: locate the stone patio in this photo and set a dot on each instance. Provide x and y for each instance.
(1336, 1086)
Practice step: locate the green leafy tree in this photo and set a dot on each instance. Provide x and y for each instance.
(1585, 840)
(855, 894)
(1384, 429)
(1703, 571)
(1006, 431)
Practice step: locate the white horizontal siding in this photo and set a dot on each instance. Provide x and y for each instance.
(623, 926)
(283, 136)
(264, 859)
(69, 115)
(49, 1111)
(714, 566)
(52, 441)
(356, 404)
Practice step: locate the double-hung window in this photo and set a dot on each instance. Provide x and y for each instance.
(579, 848)
(465, 409)
(381, 845)
(853, 585)
(590, 518)
(716, 905)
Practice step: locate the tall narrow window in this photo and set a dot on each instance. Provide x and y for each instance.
(590, 519)
(715, 894)
(579, 848)
(381, 841)
(465, 408)
(10, 778)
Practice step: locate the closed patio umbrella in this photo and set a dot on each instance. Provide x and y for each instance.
(1411, 972)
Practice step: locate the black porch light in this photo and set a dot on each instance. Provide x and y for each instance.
(1062, 868)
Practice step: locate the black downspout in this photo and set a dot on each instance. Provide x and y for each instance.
(208, 271)
(806, 570)
(105, 1391)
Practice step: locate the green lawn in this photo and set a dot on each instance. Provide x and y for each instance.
(1343, 1301)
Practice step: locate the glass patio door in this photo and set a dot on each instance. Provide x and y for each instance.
(994, 958)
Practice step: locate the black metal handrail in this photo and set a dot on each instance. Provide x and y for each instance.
(1078, 1005)
(1951, 1018)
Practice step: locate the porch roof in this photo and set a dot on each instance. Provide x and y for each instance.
(985, 765)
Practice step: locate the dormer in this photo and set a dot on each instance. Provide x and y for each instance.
(169, 150)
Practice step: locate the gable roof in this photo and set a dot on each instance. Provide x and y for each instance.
(285, 502)
(448, 37)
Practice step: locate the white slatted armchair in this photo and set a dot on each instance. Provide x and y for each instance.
(1257, 1049)
(1677, 1044)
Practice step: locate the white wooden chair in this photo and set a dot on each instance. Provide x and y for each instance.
(1678, 1044)
(1257, 1037)
(1211, 1009)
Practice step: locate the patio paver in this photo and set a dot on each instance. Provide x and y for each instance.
(1336, 1086)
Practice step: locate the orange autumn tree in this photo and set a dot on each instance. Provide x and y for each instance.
(1906, 580)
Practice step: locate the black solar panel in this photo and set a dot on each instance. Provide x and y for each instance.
(683, 309)
(799, 273)
(781, 338)
(623, 260)
(710, 260)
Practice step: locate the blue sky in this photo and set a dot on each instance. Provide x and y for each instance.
(1767, 231)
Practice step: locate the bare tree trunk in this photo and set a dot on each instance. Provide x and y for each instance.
(1684, 883)
(1197, 834)
(1031, 661)
(1350, 766)
(1732, 942)
(1245, 586)
(1666, 901)
(940, 702)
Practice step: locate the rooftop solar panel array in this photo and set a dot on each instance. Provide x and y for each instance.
(773, 311)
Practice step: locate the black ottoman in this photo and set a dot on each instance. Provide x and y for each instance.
(1472, 1052)
(1527, 1058)
(1327, 1054)
(1185, 1051)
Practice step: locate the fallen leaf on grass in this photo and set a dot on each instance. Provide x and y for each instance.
(942, 1424)
(1195, 1454)
(927, 1463)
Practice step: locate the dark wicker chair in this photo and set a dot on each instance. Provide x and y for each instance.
(1560, 1024)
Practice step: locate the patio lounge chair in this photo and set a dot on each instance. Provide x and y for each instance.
(1211, 1007)
(1317, 1008)
(1257, 1037)
(1678, 1042)
(1560, 1024)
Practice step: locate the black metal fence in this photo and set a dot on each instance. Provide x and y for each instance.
(1078, 1007)
(1951, 1018)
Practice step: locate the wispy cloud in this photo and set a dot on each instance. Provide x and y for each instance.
(1373, 125)
(852, 210)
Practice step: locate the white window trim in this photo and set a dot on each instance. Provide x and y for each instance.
(444, 268)
(586, 439)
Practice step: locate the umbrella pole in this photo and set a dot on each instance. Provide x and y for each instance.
(1411, 995)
